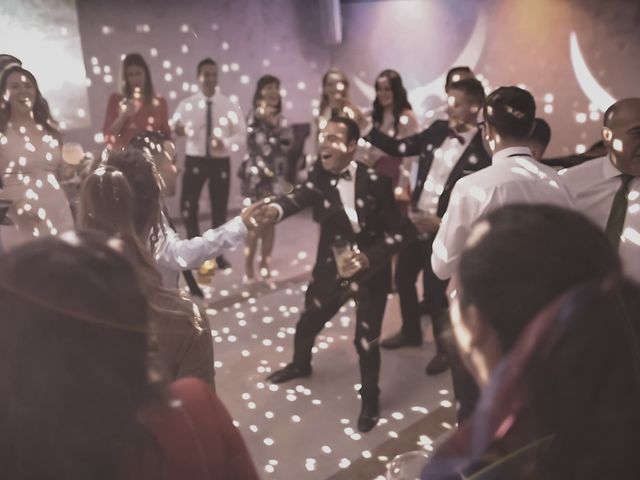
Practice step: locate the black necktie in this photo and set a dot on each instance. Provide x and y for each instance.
(194, 288)
(209, 128)
(615, 222)
(453, 134)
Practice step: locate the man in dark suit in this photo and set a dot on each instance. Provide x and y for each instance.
(353, 205)
(448, 150)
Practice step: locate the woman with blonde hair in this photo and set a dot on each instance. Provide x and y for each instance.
(79, 399)
(334, 101)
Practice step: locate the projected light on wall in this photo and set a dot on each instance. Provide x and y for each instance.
(45, 36)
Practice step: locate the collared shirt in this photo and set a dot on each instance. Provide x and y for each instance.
(593, 185)
(445, 159)
(174, 254)
(227, 122)
(514, 177)
(347, 190)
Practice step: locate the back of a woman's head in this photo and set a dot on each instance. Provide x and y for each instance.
(521, 257)
(142, 176)
(107, 202)
(74, 369)
(584, 385)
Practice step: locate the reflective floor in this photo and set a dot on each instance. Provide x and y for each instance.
(307, 428)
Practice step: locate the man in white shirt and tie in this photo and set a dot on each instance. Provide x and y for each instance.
(514, 176)
(214, 127)
(607, 189)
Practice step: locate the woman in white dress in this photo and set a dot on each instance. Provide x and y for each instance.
(30, 162)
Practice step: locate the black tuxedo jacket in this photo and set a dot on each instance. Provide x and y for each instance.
(383, 230)
(424, 144)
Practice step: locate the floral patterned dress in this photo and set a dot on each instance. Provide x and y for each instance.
(263, 167)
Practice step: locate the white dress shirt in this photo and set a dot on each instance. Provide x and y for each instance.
(593, 185)
(227, 122)
(174, 254)
(514, 177)
(445, 159)
(347, 192)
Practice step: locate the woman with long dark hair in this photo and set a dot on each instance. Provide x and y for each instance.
(85, 402)
(393, 115)
(30, 161)
(107, 204)
(136, 108)
(550, 330)
(268, 140)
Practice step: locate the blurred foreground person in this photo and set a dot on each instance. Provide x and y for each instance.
(80, 399)
(549, 328)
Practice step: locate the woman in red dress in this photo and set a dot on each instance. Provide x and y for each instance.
(136, 108)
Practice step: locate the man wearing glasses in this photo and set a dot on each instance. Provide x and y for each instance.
(514, 176)
(448, 150)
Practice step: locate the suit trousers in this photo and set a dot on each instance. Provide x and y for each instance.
(369, 314)
(413, 259)
(197, 171)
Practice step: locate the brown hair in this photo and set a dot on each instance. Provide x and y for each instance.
(74, 363)
(41, 113)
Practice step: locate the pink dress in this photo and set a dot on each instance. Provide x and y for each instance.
(28, 166)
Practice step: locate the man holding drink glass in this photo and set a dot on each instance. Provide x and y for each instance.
(361, 228)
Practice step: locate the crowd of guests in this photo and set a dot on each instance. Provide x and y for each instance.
(529, 274)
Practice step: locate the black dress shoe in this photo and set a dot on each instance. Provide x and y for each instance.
(438, 364)
(399, 340)
(222, 263)
(289, 372)
(369, 415)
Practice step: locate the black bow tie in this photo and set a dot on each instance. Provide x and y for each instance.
(453, 134)
(346, 175)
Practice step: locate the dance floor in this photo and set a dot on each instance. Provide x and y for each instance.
(307, 428)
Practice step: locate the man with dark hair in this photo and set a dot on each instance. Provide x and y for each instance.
(203, 62)
(172, 253)
(456, 74)
(448, 150)
(606, 189)
(360, 229)
(513, 177)
(214, 127)
(539, 138)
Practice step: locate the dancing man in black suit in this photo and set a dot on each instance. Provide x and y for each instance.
(354, 206)
(448, 150)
